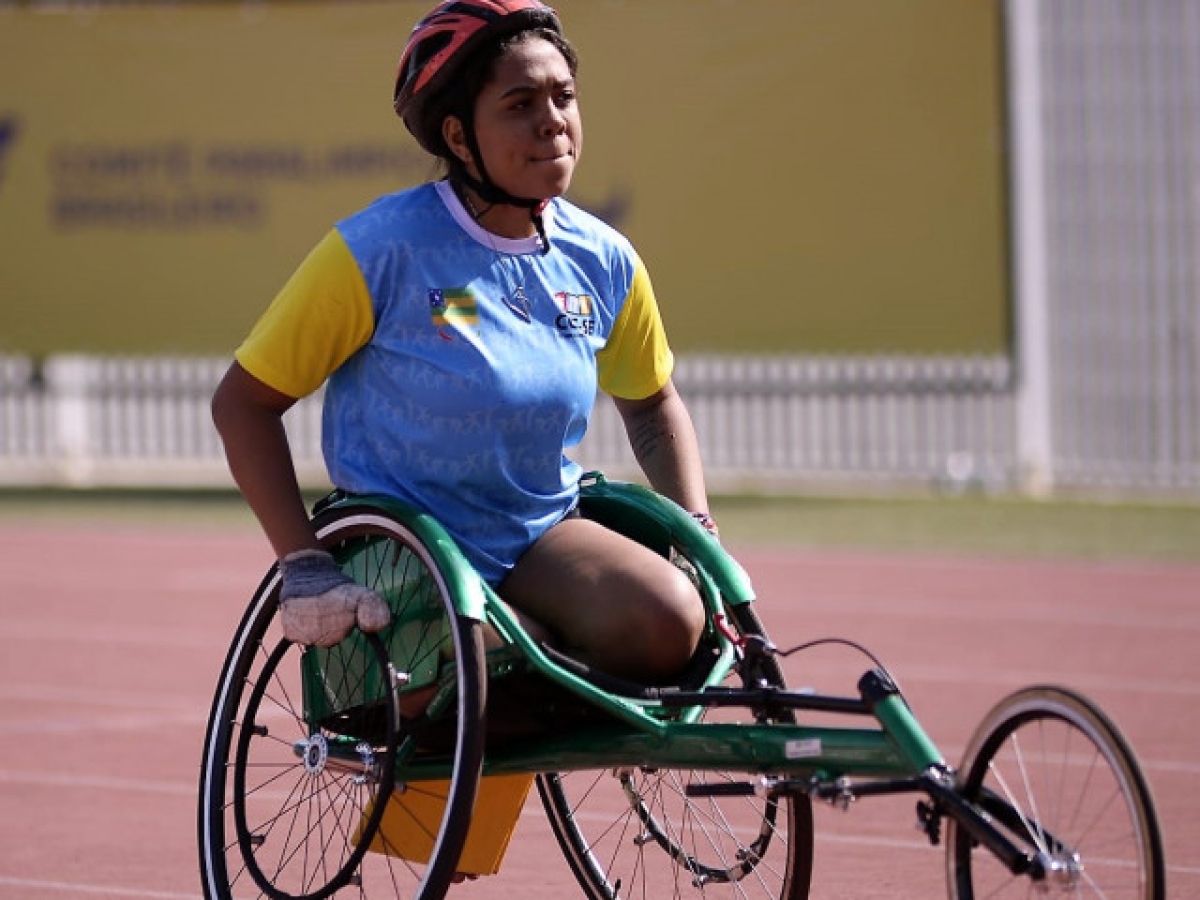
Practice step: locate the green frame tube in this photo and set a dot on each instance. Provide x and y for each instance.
(649, 732)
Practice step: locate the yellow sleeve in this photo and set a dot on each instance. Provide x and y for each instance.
(636, 361)
(320, 318)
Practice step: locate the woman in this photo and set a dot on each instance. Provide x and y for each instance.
(464, 326)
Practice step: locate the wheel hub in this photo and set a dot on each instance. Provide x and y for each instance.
(314, 752)
(1063, 873)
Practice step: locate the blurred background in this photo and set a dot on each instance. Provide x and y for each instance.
(931, 246)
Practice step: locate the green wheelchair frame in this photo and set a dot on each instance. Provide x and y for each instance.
(307, 748)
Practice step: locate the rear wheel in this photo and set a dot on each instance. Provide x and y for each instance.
(298, 797)
(308, 799)
(1054, 773)
(635, 833)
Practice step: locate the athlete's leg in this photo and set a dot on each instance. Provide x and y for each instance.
(609, 601)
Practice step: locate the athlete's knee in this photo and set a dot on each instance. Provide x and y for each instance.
(675, 622)
(690, 608)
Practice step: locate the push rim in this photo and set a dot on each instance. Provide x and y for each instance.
(279, 753)
(380, 551)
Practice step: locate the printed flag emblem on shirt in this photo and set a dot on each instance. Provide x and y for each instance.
(453, 306)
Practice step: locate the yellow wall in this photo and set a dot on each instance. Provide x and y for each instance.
(801, 175)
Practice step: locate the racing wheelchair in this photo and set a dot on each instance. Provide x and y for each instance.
(375, 767)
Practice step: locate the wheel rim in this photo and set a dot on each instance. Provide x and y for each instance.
(310, 843)
(380, 552)
(634, 833)
(638, 835)
(644, 788)
(1061, 782)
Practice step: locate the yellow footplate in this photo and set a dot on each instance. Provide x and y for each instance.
(414, 813)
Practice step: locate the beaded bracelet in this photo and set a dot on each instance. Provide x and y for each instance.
(707, 522)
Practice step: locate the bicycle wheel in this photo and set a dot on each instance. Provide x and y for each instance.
(1054, 773)
(635, 833)
(297, 794)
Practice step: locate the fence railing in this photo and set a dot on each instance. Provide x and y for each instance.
(96, 421)
(879, 420)
(1106, 228)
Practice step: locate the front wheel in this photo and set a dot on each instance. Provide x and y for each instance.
(1054, 773)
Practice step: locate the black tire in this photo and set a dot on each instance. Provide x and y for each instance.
(634, 834)
(294, 783)
(1056, 774)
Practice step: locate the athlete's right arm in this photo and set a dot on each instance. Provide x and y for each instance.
(316, 322)
(318, 603)
(248, 415)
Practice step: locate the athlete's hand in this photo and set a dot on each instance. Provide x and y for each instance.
(319, 604)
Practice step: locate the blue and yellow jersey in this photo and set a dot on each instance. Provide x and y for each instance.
(461, 365)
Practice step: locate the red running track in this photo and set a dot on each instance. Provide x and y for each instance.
(113, 639)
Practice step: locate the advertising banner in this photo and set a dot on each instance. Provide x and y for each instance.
(800, 175)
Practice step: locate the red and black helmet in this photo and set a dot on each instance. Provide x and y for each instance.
(444, 39)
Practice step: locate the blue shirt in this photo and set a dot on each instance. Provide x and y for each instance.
(480, 364)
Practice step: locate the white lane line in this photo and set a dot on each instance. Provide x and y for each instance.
(54, 631)
(84, 696)
(154, 721)
(98, 782)
(95, 890)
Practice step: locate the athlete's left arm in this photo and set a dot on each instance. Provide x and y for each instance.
(666, 447)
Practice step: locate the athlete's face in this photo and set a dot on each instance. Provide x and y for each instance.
(527, 122)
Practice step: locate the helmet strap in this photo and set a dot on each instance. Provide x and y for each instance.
(491, 193)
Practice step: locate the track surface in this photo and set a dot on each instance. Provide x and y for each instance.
(113, 639)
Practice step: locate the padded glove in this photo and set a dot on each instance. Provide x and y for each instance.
(319, 604)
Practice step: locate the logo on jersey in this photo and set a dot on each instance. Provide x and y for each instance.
(452, 307)
(576, 317)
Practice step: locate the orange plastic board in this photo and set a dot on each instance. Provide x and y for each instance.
(410, 823)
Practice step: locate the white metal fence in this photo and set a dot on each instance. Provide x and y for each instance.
(86, 421)
(1106, 194)
(865, 420)
(764, 422)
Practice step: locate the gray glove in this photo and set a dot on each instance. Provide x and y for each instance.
(319, 604)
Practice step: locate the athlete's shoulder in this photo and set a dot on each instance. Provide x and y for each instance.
(578, 224)
(391, 213)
